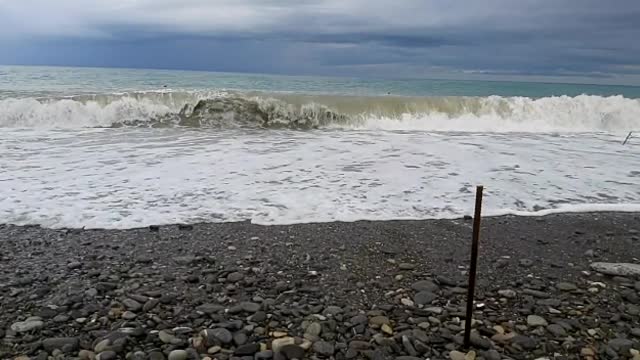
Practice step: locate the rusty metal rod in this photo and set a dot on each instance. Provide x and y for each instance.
(472, 269)
(627, 138)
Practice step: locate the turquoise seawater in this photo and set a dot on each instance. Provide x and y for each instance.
(24, 81)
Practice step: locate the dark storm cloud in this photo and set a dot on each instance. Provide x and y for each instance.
(567, 38)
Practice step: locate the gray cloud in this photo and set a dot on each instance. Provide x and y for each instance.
(566, 38)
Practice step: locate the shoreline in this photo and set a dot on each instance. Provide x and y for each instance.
(569, 210)
(159, 287)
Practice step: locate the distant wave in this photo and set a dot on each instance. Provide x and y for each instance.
(215, 109)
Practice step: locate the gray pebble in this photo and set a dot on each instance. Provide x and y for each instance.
(178, 355)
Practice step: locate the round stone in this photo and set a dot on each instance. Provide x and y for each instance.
(535, 320)
(509, 294)
(424, 298)
(565, 286)
(235, 277)
(425, 285)
(314, 329)
(324, 348)
(178, 355)
(28, 325)
(379, 321)
(220, 334)
(557, 330)
(250, 307)
(107, 355)
(292, 351)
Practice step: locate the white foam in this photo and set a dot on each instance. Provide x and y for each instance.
(582, 113)
(124, 178)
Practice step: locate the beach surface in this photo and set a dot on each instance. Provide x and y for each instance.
(374, 290)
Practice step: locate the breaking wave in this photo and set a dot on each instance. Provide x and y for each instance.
(584, 113)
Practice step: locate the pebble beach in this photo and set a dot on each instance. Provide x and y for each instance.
(362, 290)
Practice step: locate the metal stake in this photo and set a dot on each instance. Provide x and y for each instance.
(472, 269)
(627, 138)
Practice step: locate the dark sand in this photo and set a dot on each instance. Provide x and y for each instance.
(78, 283)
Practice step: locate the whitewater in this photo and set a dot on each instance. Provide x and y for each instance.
(120, 152)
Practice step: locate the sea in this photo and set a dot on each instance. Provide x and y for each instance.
(127, 148)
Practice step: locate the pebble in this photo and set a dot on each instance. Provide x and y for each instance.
(66, 344)
(247, 349)
(565, 286)
(509, 294)
(526, 263)
(74, 265)
(33, 323)
(264, 355)
(424, 298)
(425, 285)
(240, 338)
(168, 338)
(86, 355)
(407, 302)
(314, 329)
(502, 263)
(557, 330)
(128, 315)
(621, 346)
(277, 344)
(292, 351)
(379, 320)
(525, 342)
(479, 341)
(102, 346)
(617, 269)
(492, 355)
(535, 320)
(235, 277)
(131, 304)
(178, 355)
(107, 355)
(332, 311)
(220, 334)
(324, 348)
(406, 266)
(156, 355)
(250, 307)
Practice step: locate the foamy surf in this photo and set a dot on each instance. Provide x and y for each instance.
(226, 109)
(107, 148)
(127, 178)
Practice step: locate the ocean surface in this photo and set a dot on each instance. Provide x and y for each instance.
(120, 148)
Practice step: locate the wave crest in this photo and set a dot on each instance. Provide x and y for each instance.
(582, 113)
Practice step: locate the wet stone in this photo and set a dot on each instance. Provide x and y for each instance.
(406, 266)
(424, 298)
(292, 352)
(535, 320)
(131, 305)
(324, 348)
(557, 330)
(247, 349)
(107, 355)
(425, 285)
(235, 277)
(178, 355)
(565, 286)
(67, 345)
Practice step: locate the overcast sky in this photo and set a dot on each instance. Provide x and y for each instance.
(572, 40)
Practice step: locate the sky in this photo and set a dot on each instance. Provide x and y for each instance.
(541, 40)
